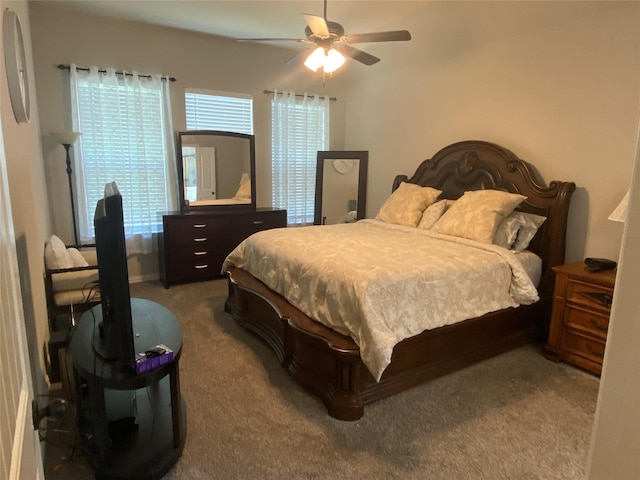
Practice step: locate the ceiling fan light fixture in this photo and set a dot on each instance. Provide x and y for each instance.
(315, 60)
(333, 61)
(329, 61)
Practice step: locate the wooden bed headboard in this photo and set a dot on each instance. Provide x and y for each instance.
(476, 165)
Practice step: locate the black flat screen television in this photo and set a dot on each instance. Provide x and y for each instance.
(114, 340)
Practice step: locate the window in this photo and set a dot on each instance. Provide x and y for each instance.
(299, 128)
(227, 112)
(127, 137)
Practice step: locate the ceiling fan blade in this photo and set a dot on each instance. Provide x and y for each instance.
(300, 40)
(318, 25)
(393, 36)
(299, 57)
(357, 55)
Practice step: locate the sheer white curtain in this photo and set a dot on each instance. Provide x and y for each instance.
(127, 137)
(299, 128)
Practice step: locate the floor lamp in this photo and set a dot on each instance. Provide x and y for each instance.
(67, 139)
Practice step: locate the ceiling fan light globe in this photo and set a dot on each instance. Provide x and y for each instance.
(333, 61)
(315, 60)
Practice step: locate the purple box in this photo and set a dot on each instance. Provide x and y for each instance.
(153, 358)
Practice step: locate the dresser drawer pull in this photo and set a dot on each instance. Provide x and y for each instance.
(594, 352)
(199, 253)
(199, 225)
(200, 239)
(200, 267)
(258, 222)
(597, 326)
(601, 298)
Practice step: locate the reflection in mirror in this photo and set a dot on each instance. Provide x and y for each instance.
(216, 169)
(341, 186)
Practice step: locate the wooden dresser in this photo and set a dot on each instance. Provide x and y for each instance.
(580, 318)
(192, 246)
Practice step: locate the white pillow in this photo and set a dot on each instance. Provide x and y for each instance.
(406, 204)
(517, 229)
(244, 190)
(432, 214)
(477, 214)
(77, 258)
(55, 254)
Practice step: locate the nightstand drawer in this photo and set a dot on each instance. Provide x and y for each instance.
(587, 321)
(583, 346)
(590, 295)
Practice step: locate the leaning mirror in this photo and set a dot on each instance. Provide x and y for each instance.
(216, 169)
(341, 186)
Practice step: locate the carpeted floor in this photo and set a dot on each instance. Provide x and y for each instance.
(517, 416)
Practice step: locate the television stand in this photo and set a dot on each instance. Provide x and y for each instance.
(131, 426)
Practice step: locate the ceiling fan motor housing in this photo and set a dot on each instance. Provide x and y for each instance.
(335, 32)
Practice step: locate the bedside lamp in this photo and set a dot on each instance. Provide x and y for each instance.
(67, 139)
(620, 212)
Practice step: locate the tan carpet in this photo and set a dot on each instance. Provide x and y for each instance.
(517, 416)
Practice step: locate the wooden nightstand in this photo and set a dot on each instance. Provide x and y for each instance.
(580, 317)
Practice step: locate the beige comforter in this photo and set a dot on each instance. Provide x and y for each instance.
(381, 283)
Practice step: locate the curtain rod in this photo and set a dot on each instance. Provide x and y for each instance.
(86, 69)
(269, 92)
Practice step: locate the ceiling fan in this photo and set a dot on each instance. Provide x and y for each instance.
(332, 45)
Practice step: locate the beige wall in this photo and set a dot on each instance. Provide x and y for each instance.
(28, 193)
(560, 89)
(196, 60)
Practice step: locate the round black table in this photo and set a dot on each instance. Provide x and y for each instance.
(132, 425)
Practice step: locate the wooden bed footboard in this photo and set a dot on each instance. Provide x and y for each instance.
(329, 364)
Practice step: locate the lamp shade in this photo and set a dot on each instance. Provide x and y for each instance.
(620, 212)
(67, 138)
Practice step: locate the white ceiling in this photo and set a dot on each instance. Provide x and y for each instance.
(427, 20)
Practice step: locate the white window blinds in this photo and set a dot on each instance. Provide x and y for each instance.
(299, 128)
(227, 112)
(127, 137)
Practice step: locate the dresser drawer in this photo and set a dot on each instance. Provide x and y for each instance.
(586, 347)
(589, 295)
(587, 321)
(193, 247)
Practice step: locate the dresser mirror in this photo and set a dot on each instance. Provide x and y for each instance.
(216, 170)
(341, 186)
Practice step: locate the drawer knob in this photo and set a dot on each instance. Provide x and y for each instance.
(200, 239)
(199, 225)
(199, 253)
(200, 267)
(594, 352)
(597, 326)
(258, 222)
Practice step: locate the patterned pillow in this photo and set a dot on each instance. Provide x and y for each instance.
(432, 214)
(477, 214)
(406, 204)
(517, 229)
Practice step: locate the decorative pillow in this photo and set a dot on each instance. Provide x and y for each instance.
(432, 214)
(517, 229)
(55, 254)
(406, 204)
(244, 190)
(77, 258)
(477, 214)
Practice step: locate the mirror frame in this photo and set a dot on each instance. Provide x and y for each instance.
(329, 155)
(252, 164)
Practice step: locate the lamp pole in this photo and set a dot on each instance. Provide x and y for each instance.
(67, 139)
(67, 146)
